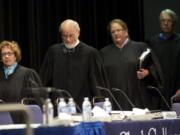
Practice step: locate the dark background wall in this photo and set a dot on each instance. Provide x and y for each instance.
(34, 23)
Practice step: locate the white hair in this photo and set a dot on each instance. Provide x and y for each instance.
(69, 22)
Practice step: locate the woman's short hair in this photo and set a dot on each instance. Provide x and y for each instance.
(13, 45)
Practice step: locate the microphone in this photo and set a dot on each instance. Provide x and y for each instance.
(143, 56)
(63, 91)
(125, 95)
(161, 95)
(39, 93)
(48, 90)
(112, 96)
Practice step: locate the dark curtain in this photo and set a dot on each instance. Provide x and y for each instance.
(34, 23)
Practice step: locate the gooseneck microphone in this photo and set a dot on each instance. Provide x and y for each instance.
(64, 91)
(46, 90)
(112, 96)
(49, 89)
(161, 95)
(125, 95)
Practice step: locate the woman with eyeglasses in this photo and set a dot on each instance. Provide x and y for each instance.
(14, 78)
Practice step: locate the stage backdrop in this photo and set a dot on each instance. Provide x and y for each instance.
(34, 23)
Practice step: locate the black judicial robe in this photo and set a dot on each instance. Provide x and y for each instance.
(168, 53)
(78, 71)
(121, 66)
(13, 89)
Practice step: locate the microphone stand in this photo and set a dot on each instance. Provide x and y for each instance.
(163, 98)
(47, 90)
(110, 93)
(125, 95)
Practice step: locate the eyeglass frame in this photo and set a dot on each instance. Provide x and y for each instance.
(7, 53)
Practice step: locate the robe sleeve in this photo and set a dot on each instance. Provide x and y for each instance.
(178, 75)
(155, 77)
(46, 70)
(156, 72)
(32, 80)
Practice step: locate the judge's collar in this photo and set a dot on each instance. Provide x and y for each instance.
(12, 67)
(73, 45)
(123, 44)
(164, 36)
(9, 70)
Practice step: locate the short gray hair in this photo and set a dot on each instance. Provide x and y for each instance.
(171, 13)
(69, 21)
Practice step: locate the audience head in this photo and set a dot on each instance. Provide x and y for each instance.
(70, 31)
(118, 30)
(10, 52)
(168, 19)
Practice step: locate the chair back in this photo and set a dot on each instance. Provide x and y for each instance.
(28, 101)
(5, 118)
(175, 104)
(176, 108)
(36, 113)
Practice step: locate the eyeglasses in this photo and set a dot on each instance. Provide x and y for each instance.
(67, 36)
(117, 30)
(7, 53)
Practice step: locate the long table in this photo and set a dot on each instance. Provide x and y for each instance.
(153, 127)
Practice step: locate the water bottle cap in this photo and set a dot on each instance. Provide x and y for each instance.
(70, 99)
(61, 99)
(86, 98)
(48, 99)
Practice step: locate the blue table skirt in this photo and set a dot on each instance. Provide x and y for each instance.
(91, 128)
(153, 127)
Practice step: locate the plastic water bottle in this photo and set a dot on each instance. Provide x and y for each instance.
(62, 106)
(107, 105)
(48, 111)
(86, 107)
(71, 106)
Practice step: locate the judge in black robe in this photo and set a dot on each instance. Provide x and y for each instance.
(14, 85)
(121, 61)
(13, 88)
(72, 65)
(166, 46)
